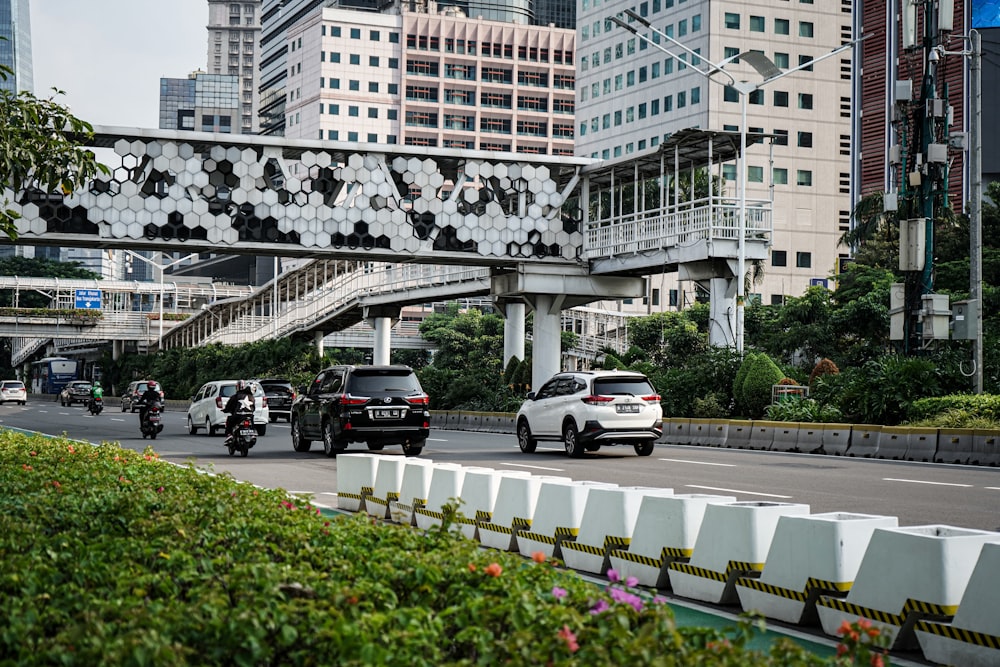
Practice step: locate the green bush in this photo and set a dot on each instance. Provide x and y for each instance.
(755, 393)
(800, 409)
(108, 556)
(956, 411)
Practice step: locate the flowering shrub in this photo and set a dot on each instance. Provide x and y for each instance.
(109, 556)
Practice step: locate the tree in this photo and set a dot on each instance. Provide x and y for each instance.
(30, 267)
(39, 150)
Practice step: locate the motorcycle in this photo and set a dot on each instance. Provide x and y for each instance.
(151, 423)
(95, 405)
(244, 435)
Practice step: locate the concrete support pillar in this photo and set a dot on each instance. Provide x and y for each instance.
(117, 347)
(318, 340)
(546, 359)
(722, 312)
(382, 348)
(513, 331)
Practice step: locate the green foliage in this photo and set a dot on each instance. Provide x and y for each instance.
(754, 394)
(700, 386)
(801, 409)
(39, 149)
(823, 367)
(956, 411)
(108, 556)
(30, 267)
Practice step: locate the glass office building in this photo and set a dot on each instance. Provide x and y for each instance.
(15, 47)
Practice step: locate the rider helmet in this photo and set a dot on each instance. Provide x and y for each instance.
(97, 384)
(152, 385)
(241, 385)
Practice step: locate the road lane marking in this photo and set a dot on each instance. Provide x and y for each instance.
(921, 481)
(749, 493)
(522, 465)
(702, 463)
(992, 488)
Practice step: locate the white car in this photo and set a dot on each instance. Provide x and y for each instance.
(587, 409)
(13, 391)
(206, 407)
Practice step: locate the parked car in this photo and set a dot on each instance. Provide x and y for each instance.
(12, 391)
(377, 405)
(205, 411)
(588, 409)
(280, 395)
(75, 391)
(133, 394)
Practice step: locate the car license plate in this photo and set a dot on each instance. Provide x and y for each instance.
(385, 414)
(627, 408)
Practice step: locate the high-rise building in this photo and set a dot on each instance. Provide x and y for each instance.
(423, 79)
(234, 35)
(202, 102)
(15, 47)
(631, 95)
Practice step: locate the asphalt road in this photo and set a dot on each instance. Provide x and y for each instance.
(915, 493)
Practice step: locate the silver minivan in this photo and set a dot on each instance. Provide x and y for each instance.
(206, 407)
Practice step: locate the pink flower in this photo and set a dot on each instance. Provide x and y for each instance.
(632, 582)
(558, 593)
(600, 607)
(567, 635)
(613, 576)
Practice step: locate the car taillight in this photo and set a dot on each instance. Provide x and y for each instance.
(353, 400)
(597, 400)
(264, 404)
(218, 402)
(652, 398)
(423, 399)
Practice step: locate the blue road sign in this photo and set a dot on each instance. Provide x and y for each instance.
(88, 298)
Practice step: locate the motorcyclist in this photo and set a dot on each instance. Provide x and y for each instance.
(96, 391)
(240, 402)
(150, 396)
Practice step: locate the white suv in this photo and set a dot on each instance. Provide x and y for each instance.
(206, 407)
(587, 409)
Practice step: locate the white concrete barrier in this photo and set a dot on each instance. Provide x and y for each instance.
(738, 434)
(893, 443)
(908, 574)
(923, 444)
(955, 445)
(986, 448)
(812, 555)
(608, 523)
(785, 436)
(558, 515)
(836, 438)
(413, 491)
(446, 486)
(515, 505)
(665, 532)
(761, 435)
(972, 639)
(388, 479)
(677, 431)
(699, 431)
(479, 496)
(718, 432)
(732, 543)
(810, 438)
(864, 440)
(355, 480)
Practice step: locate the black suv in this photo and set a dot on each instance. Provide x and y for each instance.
(377, 405)
(280, 396)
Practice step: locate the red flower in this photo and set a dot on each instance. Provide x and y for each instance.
(538, 556)
(472, 567)
(877, 660)
(493, 569)
(567, 635)
(844, 628)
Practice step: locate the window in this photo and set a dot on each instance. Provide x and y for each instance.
(805, 139)
(755, 174)
(681, 99)
(803, 260)
(731, 52)
(352, 136)
(781, 26)
(696, 23)
(373, 112)
(781, 98)
(804, 177)
(334, 57)
(756, 24)
(779, 175)
(732, 21)
(372, 138)
(618, 118)
(352, 111)
(373, 35)
(393, 89)
(729, 172)
(354, 85)
(803, 60)
(373, 61)
(495, 125)
(696, 95)
(333, 109)
(333, 135)
(355, 59)
(805, 101)
(805, 29)
(781, 137)
(393, 63)
(779, 258)
(391, 114)
(781, 60)
(730, 94)
(334, 84)
(373, 86)
(355, 33)
(335, 31)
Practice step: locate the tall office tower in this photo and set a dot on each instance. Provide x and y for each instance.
(632, 95)
(234, 34)
(202, 102)
(15, 47)
(560, 13)
(423, 79)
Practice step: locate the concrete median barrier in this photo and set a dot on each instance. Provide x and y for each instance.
(865, 440)
(718, 432)
(733, 542)
(558, 516)
(355, 480)
(608, 522)
(388, 479)
(907, 575)
(699, 431)
(665, 532)
(762, 435)
(922, 445)
(677, 431)
(986, 448)
(836, 438)
(955, 445)
(972, 639)
(810, 438)
(810, 556)
(785, 436)
(517, 497)
(445, 487)
(738, 434)
(413, 491)
(480, 487)
(893, 443)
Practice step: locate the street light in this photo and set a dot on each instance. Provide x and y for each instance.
(208, 310)
(769, 73)
(162, 268)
